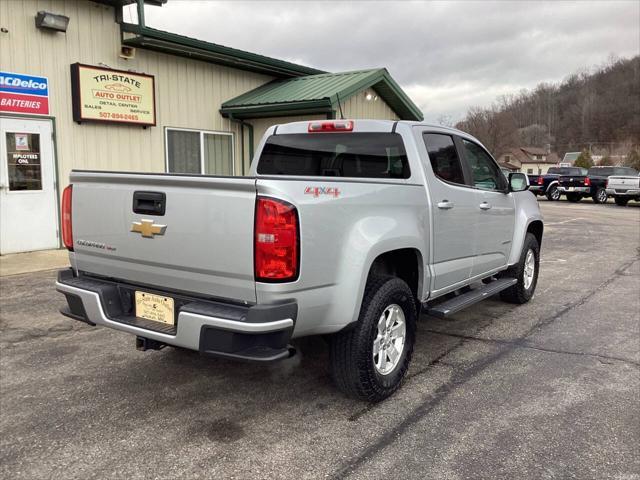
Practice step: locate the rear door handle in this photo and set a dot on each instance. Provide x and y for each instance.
(485, 206)
(446, 205)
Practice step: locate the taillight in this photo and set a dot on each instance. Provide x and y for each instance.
(67, 230)
(540, 180)
(331, 126)
(606, 183)
(276, 241)
(587, 182)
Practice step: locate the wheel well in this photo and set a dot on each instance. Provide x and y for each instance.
(536, 228)
(405, 263)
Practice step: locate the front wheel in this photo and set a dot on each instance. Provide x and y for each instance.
(620, 201)
(369, 361)
(600, 196)
(525, 271)
(553, 194)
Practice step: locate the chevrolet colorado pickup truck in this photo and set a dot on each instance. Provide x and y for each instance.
(624, 188)
(547, 184)
(343, 228)
(593, 184)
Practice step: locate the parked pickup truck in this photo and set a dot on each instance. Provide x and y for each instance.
(593, 184)
(624, 188)
(342, 228)
(547, 184)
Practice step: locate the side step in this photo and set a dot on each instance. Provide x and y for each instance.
(449, 307)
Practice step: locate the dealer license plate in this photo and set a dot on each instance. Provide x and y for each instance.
(154, 307)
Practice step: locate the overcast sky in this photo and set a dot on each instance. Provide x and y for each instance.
(448, 56)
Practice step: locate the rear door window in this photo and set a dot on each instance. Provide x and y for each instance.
(354, 154)
(444, 158)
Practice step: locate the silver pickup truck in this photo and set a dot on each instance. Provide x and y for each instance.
(624, 188)
(343, 228)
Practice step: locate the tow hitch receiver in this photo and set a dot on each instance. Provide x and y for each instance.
(143, 344)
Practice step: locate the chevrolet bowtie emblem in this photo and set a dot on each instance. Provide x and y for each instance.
(147, 228)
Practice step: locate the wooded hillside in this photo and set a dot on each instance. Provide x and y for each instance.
(597, 110)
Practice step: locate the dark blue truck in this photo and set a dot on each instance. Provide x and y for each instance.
(547, 184)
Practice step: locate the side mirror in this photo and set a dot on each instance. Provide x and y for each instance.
(518, 182)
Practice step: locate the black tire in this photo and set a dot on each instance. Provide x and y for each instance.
(620, 201)
(553, 194)
(351, 352)
(519, 293)
(600, 196)
(573, 197)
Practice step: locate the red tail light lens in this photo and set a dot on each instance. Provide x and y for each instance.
(276, 241)
(332, 126)
(67, 229)
(587, 182)
(540, 180)
(606, 183)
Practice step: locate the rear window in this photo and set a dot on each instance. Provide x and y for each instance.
(567, 171)
(359, 154)
(608, 171)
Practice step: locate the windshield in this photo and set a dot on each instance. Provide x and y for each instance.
(368, 155)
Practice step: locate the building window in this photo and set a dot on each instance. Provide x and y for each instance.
(199, 152)
(539, 171)
(530, 171)
(507, 158)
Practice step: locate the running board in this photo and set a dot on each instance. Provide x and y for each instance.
(449, 307)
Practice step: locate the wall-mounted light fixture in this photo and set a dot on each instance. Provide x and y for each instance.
(51, 21)
(368, 96)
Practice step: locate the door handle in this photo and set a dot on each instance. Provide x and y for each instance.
(446, 205)
(485, 206)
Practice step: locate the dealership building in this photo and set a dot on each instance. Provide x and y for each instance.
(82, 89)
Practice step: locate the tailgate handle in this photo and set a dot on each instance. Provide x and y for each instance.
(149, 203)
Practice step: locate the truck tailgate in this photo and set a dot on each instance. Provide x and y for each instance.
(206, 247)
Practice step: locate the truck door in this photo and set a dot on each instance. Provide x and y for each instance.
(495, 210)
(453, 208)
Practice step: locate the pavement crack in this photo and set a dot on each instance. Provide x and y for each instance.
(529, 346)
(463, 376)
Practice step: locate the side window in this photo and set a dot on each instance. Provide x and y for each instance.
(486, 175)
(444, 157)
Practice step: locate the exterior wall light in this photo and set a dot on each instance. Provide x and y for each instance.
(51, 21)
(368, 96)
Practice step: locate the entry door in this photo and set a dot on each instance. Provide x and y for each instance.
(28, 204)
(495, 209)
(453, 205)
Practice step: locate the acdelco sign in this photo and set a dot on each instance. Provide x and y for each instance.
(20, 93)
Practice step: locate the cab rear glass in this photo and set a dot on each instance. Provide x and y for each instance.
(349, 154)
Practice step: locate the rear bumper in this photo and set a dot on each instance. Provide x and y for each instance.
(536, 189)
(258, 332)
(632, 192)
(581, 190)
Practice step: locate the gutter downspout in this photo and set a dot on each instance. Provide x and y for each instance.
(250, 129)
(141, 13)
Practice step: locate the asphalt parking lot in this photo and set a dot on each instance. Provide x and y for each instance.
(550, 389)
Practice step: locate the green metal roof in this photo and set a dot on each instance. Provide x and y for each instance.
(174, 44)
(319, 93)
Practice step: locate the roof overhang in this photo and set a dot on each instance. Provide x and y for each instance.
(174, 44)
(379, 80)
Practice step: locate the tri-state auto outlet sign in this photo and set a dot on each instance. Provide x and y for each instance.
(21, 93)
(107, 95)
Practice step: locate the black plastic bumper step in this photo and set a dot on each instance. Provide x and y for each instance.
(449, 307)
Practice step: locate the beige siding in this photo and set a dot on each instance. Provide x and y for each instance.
(357, 106)
(188, 92)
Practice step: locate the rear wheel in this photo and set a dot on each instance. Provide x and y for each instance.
(553, 194)
(525, 271)
(620, 201)
(574, 197)
(600, 196)
(369, 361)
